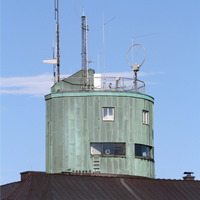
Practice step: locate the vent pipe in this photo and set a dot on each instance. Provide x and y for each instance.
(188, 176)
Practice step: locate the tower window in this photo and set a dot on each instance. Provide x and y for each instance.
(108, 114)
(143, 151)
(108, 149)
(145, 117)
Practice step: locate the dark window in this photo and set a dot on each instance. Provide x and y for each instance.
(143, 151)
(119, 149)
(108, 149)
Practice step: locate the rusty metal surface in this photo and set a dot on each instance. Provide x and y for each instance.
(98, 186)
(8, 189)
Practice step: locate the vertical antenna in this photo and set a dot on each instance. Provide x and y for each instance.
(103, 45)
(132, 51)
(84, 53)
(57, 36)
(136, 54)
(98, 63)
(98, 60)
(86, 47)
(54, 68)
(132, 60)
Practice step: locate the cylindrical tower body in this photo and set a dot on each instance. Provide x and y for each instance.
(117, 127)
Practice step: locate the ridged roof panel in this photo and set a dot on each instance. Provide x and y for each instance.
(90, 186)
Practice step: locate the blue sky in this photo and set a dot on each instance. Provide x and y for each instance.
(171, 73)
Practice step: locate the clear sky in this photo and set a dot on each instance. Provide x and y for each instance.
(171, 73)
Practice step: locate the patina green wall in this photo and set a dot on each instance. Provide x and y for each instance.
(74, 82)
(74, 120)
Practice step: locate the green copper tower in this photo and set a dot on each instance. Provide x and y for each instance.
(106, 128)
(99, 124)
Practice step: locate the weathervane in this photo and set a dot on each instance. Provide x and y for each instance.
(135, 66)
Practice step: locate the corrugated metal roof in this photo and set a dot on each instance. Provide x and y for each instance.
(40, 185)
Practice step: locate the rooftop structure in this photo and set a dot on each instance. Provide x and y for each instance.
(100, 124)
(96, 82)
(40, 185)
(99, 141)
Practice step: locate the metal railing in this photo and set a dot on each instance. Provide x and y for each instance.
(102, 84)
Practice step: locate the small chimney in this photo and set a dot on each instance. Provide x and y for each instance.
(25, 175)
(188, 176)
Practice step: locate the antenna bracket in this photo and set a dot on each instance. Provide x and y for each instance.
(135, 67)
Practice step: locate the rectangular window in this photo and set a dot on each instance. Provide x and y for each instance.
(145, 117)
(108, 149)
(143, 151)
(108, 114)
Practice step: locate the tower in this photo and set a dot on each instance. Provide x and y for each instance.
(102, 125)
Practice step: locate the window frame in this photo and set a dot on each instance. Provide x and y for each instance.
(151, 152)
(113, 116)
(115, 149)
(145, 117)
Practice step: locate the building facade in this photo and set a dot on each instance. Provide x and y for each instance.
(99, 124)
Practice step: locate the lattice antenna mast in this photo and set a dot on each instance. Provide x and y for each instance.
(57, 37)
(84, 53)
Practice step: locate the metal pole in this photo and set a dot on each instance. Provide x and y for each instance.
(135, 76)
(98, 62)
(54, 70)
(132, 52)
(136, 54)
(86, 49)
(103, 48)
(104, 42)
(132, 63)
(58, 55)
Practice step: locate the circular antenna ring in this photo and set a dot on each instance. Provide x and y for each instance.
(136, 66)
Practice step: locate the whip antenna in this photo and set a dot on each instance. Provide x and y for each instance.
(55, 61)
(57, 37)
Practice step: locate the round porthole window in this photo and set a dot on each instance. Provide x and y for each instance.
(107, 151)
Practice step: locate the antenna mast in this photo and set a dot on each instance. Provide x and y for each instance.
(135, 67)
(54, 66)
(84, 53)
(57, 36)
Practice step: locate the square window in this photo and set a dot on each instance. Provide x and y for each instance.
(108, 114)
(145, 116)
(119, 149)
